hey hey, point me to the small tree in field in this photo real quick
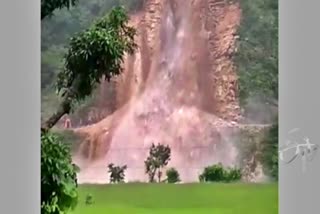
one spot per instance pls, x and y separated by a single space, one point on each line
158 158
116 173
172 175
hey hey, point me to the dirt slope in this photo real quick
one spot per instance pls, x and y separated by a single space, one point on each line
179 88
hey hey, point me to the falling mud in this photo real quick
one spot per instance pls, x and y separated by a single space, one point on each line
179 89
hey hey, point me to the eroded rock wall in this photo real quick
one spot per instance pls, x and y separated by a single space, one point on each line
179 88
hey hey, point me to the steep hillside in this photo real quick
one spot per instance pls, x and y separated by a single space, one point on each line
179 88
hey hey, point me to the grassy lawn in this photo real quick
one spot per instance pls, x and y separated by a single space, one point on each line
178 199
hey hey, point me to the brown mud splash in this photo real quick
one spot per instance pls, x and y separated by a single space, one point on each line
179 88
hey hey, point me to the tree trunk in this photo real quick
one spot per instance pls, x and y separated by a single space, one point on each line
152 175
64 108
159 175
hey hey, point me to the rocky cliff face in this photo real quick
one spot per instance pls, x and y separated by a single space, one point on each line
207 34
179 88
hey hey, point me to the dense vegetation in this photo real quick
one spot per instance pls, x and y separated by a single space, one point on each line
58 176
218 173
92 54
257 55
257 66
56 30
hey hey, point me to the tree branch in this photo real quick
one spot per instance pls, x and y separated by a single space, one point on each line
64 108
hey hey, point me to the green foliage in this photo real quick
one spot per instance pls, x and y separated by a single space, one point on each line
270 152
116 173
217 173
56 31
172 175
49 6
95 54
257 55
212 173
89 199
159 156
58 176
55 36
232 174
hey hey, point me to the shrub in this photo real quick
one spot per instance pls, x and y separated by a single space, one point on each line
116 173
58 176
172 175
212 173
232 174
216 173
89 199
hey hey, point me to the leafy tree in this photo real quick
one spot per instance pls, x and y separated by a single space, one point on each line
172 175
56 31
58 176
49 6
94 54
116 173
159 156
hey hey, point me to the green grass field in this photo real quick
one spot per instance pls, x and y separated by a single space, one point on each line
178 199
